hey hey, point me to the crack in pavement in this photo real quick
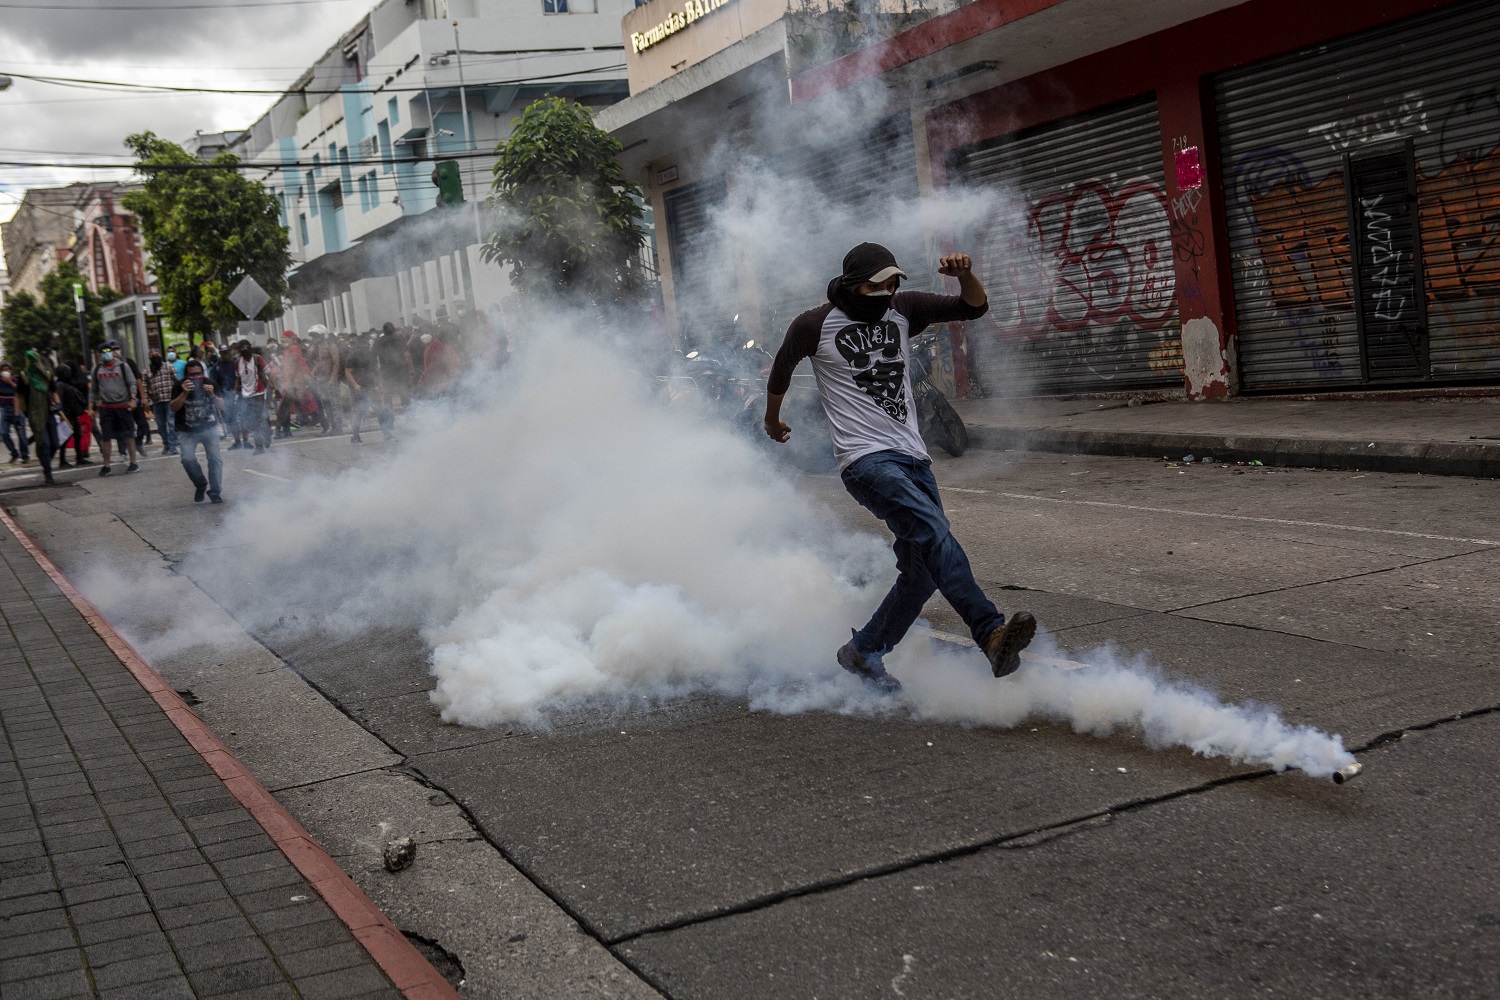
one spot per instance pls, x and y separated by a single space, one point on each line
1025 839
1331 579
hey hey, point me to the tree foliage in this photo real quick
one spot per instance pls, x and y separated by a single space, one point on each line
52 323
565 219
206 229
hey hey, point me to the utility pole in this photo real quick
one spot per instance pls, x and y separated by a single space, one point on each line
83 327
463 105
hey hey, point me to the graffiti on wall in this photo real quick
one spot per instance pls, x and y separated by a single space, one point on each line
1300 223
1090 280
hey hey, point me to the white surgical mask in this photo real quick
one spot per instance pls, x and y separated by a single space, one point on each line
171 355
107 355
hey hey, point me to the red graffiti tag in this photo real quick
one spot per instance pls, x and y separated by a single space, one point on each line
1090 256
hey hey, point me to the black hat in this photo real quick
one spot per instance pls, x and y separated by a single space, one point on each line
870 262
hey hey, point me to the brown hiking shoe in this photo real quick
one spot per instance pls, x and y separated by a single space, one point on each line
1005 643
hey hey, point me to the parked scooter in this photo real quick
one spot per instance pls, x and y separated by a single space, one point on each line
936 417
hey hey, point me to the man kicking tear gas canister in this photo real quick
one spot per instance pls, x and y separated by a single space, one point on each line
859 343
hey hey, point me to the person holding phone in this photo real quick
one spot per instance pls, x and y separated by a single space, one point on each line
195 405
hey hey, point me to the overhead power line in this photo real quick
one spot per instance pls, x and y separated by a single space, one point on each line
170 6
62 81
249 165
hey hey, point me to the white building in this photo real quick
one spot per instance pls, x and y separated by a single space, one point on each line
412 82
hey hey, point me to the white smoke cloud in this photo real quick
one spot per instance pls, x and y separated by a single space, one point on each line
568 543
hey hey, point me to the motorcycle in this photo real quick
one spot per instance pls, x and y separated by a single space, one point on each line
936 417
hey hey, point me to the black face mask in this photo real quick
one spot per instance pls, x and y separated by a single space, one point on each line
860 308
245 353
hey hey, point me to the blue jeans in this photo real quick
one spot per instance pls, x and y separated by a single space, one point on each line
11 418
901 491
166 425
208 437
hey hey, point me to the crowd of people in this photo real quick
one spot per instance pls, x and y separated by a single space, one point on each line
252 394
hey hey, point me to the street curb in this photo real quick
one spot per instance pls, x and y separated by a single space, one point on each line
1434 458
411 973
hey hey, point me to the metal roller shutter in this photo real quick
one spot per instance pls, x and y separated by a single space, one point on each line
702 272
1407 118
1080 280
857 188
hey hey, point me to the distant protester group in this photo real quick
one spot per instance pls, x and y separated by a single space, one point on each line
252 394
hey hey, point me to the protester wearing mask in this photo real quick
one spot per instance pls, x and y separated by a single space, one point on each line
327 365
221 373
71 403
34 393
10 417
178 365
252 384
196 407
159 385
362 370
859 343
112 396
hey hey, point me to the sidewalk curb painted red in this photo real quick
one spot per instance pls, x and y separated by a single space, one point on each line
412 974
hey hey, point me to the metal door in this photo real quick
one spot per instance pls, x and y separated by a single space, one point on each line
1077 258
703 285
1295 132
1387 263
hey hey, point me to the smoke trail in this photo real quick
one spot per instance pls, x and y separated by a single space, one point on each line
1109 693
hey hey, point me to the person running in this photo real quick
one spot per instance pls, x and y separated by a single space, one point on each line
195 406
362 370
159 385
859 342
251 385
112 396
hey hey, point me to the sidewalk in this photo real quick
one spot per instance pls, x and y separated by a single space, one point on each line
1452 437
129 867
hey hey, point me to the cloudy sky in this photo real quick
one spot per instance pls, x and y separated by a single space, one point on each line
249 43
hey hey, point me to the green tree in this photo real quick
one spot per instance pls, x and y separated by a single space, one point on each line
62 312
52 323
206 228
565 219
26 327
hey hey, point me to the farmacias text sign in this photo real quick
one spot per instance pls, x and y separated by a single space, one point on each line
691 11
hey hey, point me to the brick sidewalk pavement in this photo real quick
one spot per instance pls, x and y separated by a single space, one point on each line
127 869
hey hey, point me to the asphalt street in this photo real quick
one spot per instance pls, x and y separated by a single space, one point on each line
702 850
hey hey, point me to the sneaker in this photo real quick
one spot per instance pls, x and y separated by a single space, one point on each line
48 480
15 460
198 494
132 467
868 667
236 446
85 460
216 499
355 440
104 470
1003 648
